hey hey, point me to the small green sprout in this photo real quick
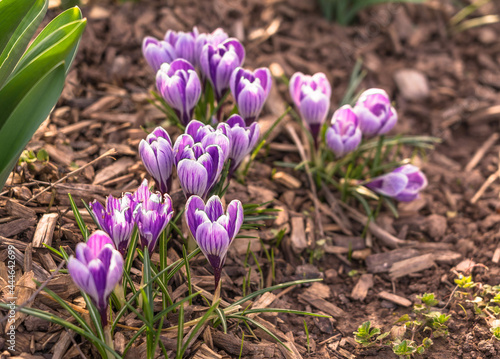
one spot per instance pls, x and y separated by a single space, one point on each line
496 332
465 282
365 333
428 299
405 349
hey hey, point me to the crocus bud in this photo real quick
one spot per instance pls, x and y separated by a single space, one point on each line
198 167
218 63
250 91
402 184
116 219
183 44
157 52
215 38
243 139
206 135
180 86
213 229
158 157
344 135
153 213
96 269
375 113
311 95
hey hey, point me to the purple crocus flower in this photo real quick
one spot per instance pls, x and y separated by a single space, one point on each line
183 44
96 269
243 139
311 95
215 38
153 213
218 62
116 219
157 52
344 135
180 86
212 229
198 167
206 135
250 91
176 45
402 184
375 113
158 157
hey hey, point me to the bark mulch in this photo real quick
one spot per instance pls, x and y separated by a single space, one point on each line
444 84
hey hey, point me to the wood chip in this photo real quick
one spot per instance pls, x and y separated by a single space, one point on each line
204 352
323 305
496 255
447 257
114 170
360 290
62 345
263 302
24 288
319 290
45 230
298 235
382 262
16 226
411 265
62 156
15 209
287 180
395 299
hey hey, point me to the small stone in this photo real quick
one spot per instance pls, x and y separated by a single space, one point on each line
436 225
98 13
412 83
331 275
465 246
487 36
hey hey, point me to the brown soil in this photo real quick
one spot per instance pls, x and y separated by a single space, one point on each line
105 103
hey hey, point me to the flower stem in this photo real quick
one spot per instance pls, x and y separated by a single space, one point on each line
109 340
120 293
217 291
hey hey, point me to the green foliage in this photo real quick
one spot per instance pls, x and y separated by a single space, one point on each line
344 12
459 22
405 349
367 335
423 320
465 282
32 79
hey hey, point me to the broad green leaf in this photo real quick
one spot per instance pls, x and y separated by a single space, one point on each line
68 33
11 15
67 17
14 91
21 38
32 109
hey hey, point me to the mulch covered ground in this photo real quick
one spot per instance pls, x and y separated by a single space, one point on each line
444 84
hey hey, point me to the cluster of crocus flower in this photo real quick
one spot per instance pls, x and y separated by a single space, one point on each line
149 211
373 115
199 154
218 59
98 264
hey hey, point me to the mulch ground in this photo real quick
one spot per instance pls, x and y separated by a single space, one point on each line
444 84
